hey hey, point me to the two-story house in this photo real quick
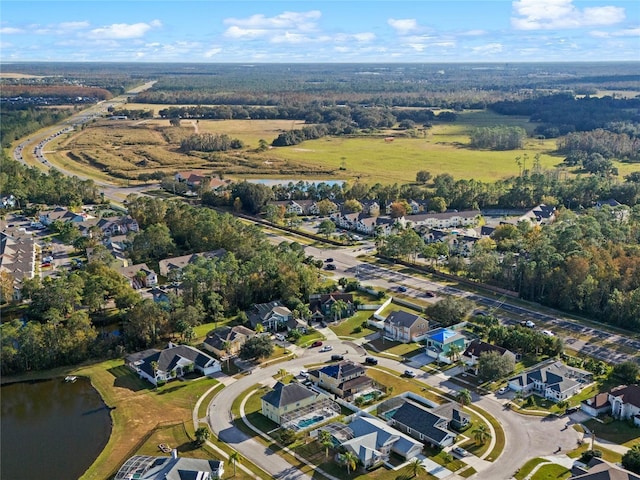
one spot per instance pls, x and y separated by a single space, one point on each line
477 347
322 305
287 403
273 316
405 327
622 402
139 276
227 341
344 379
440 342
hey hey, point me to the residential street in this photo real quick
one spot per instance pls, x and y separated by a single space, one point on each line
526 436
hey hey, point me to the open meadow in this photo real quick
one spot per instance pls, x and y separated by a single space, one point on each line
126 149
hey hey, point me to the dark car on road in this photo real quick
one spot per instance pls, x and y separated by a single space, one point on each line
336 358
330 266
371 361
329 260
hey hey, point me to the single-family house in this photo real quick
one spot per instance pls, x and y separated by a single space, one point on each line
373 441
598 469
477 347
139 276
622 402
405 327
542 214
226 341
344 379
289 401
441 341
159 366
176 264
62 214
322 308
423 424
142 467
273 316
192 178
551 379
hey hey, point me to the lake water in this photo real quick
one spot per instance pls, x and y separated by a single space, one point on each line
51 429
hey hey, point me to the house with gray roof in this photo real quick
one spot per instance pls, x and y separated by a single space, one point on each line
143 467
17 259
423 424
227 340
344 379
551 379
176 264
598 469
273 316
160 366
478 347
405 327
287 399
139 276
372 441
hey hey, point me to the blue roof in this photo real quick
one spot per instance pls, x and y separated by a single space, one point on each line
442 335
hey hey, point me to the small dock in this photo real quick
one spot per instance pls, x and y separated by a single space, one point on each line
70 378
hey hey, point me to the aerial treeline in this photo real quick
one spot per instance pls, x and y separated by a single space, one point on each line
30 185
56 93
525 341
498 138
132 114
294 137
19 121
587 264
620 146
560 114
207 142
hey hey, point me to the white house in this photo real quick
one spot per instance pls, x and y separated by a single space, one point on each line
159 366
621 402
551 379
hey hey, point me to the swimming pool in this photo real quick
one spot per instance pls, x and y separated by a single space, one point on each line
307 422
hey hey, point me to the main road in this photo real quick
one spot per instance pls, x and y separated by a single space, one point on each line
525 436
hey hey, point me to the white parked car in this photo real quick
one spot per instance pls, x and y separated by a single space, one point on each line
502 390
548 333
326 348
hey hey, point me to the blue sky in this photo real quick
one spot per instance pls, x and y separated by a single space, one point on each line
320 31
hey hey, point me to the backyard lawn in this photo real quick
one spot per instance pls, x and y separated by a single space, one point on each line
618 431
349 327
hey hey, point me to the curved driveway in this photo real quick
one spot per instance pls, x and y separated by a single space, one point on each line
526 436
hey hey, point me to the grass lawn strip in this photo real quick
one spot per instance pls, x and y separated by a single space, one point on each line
617 431
551 471
528 467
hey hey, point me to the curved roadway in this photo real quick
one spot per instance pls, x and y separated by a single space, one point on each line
526 436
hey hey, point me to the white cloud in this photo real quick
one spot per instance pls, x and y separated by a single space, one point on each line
73 25
305 21
10 30
488 49
474 33
627 32
403 26
210 53
558 14
122 30
364 37
238 32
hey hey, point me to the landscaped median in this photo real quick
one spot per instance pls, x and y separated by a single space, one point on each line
308 455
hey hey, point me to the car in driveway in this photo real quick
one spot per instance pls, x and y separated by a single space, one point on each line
571 410
337 358
326 348
371 361
461 452
502 390
409 373
317 343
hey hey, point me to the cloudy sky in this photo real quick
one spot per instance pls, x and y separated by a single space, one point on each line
320 30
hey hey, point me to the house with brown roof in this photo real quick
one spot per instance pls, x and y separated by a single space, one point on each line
405 327
477 347
226 341
321 305
622 402
139 276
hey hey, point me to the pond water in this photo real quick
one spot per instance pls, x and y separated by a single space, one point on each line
51 429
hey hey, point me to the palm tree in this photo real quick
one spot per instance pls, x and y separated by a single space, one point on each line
454 352
481 434
202 434
324 437
464 397
234 459
415 466
338 308
226 346
350 460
